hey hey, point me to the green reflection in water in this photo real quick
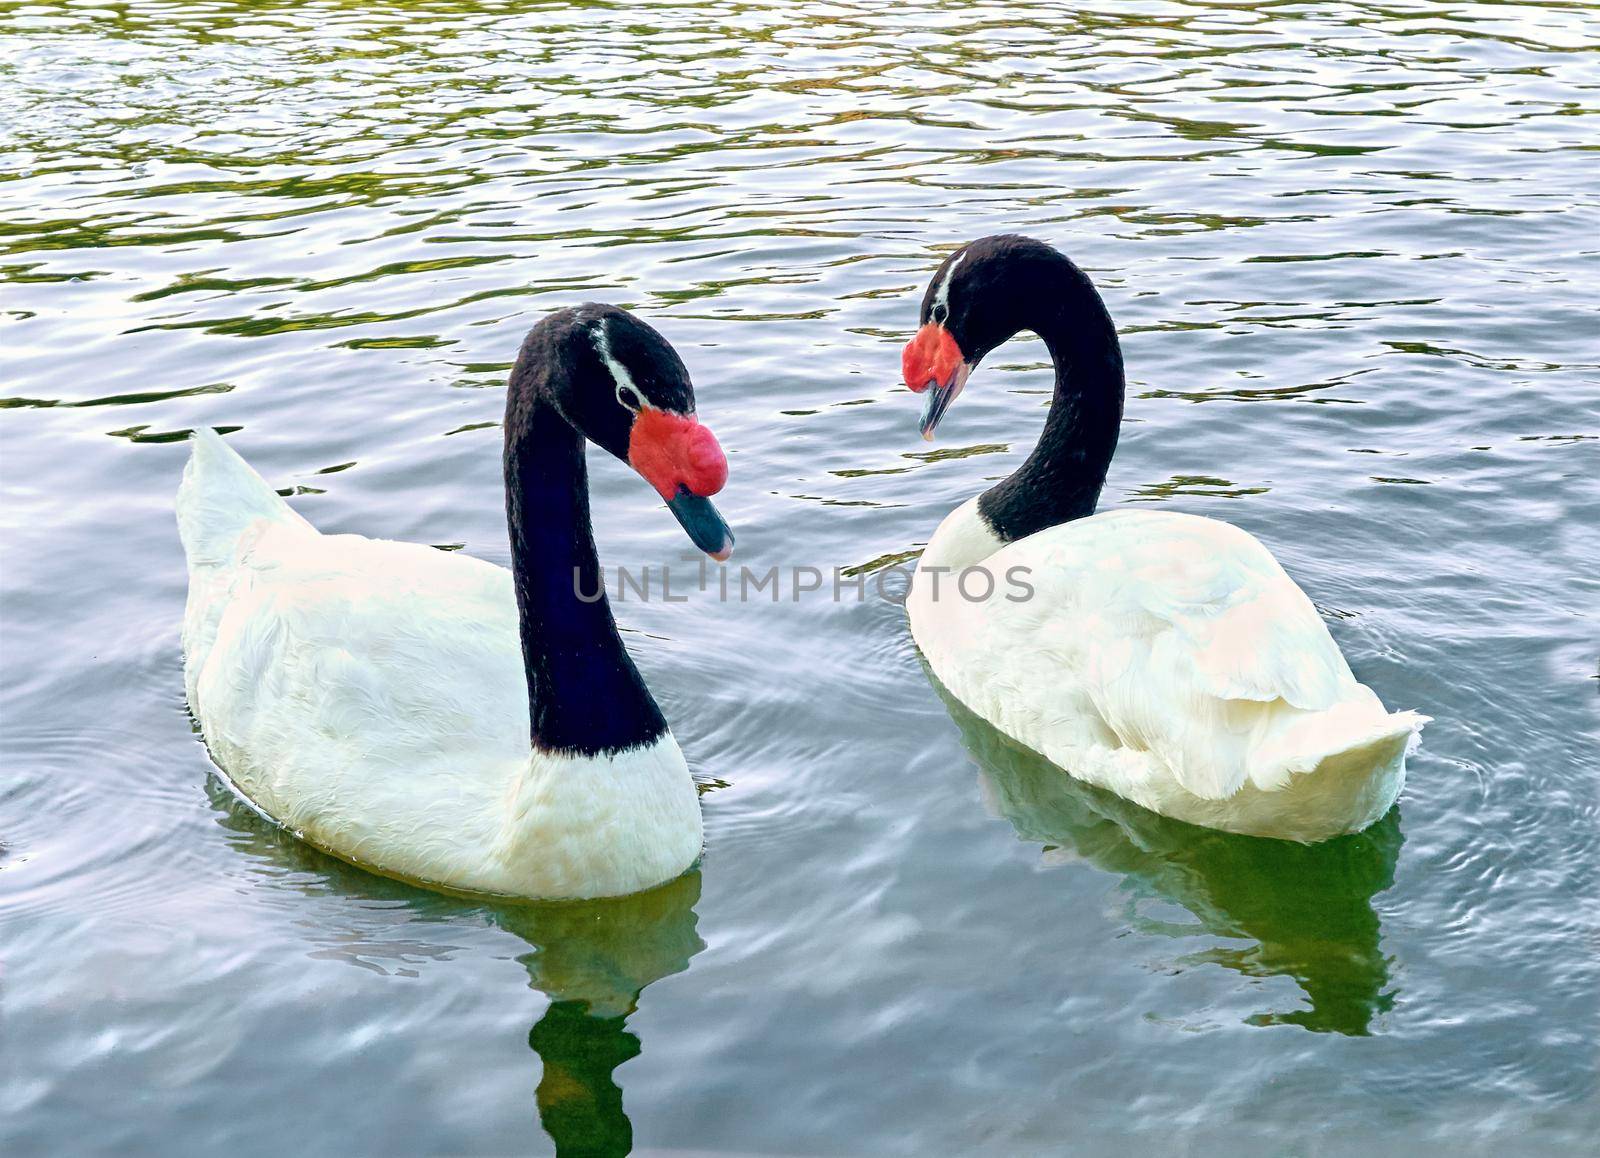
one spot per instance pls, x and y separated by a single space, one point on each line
591 958
1293 910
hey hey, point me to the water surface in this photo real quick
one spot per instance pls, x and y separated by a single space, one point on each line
1351 250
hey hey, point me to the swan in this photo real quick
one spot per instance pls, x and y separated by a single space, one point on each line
1162 656
432 716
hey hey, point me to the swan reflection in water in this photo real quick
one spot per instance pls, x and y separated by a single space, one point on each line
591 958
1299 911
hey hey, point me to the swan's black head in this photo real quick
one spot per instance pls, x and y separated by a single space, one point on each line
981 295
618 382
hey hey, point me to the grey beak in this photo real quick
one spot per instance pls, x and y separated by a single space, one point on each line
940 398
704 526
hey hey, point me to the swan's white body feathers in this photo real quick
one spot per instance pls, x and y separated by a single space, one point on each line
1170 659
371 697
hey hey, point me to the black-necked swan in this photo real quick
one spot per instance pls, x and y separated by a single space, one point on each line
431 715
1163 656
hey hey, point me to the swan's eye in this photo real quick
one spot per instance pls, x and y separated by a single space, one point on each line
939 314
628 395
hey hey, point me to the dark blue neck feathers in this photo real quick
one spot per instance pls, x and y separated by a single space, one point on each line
585 696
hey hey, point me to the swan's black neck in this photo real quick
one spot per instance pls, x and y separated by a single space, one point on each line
584 694
1061 479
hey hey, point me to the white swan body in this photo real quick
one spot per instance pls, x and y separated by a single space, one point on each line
1167 658
371 697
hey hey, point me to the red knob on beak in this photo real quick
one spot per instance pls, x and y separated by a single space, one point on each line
931 358
673 450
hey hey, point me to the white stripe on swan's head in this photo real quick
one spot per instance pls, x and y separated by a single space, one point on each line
620 377
941 296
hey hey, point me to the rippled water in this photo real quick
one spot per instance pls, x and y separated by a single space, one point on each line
1351 249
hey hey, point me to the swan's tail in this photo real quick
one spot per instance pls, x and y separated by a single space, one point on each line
1347 761
219 499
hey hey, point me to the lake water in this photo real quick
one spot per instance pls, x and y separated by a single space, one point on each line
1352 252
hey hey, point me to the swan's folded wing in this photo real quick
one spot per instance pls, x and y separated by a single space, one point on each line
1190 641
398 647
1239 626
